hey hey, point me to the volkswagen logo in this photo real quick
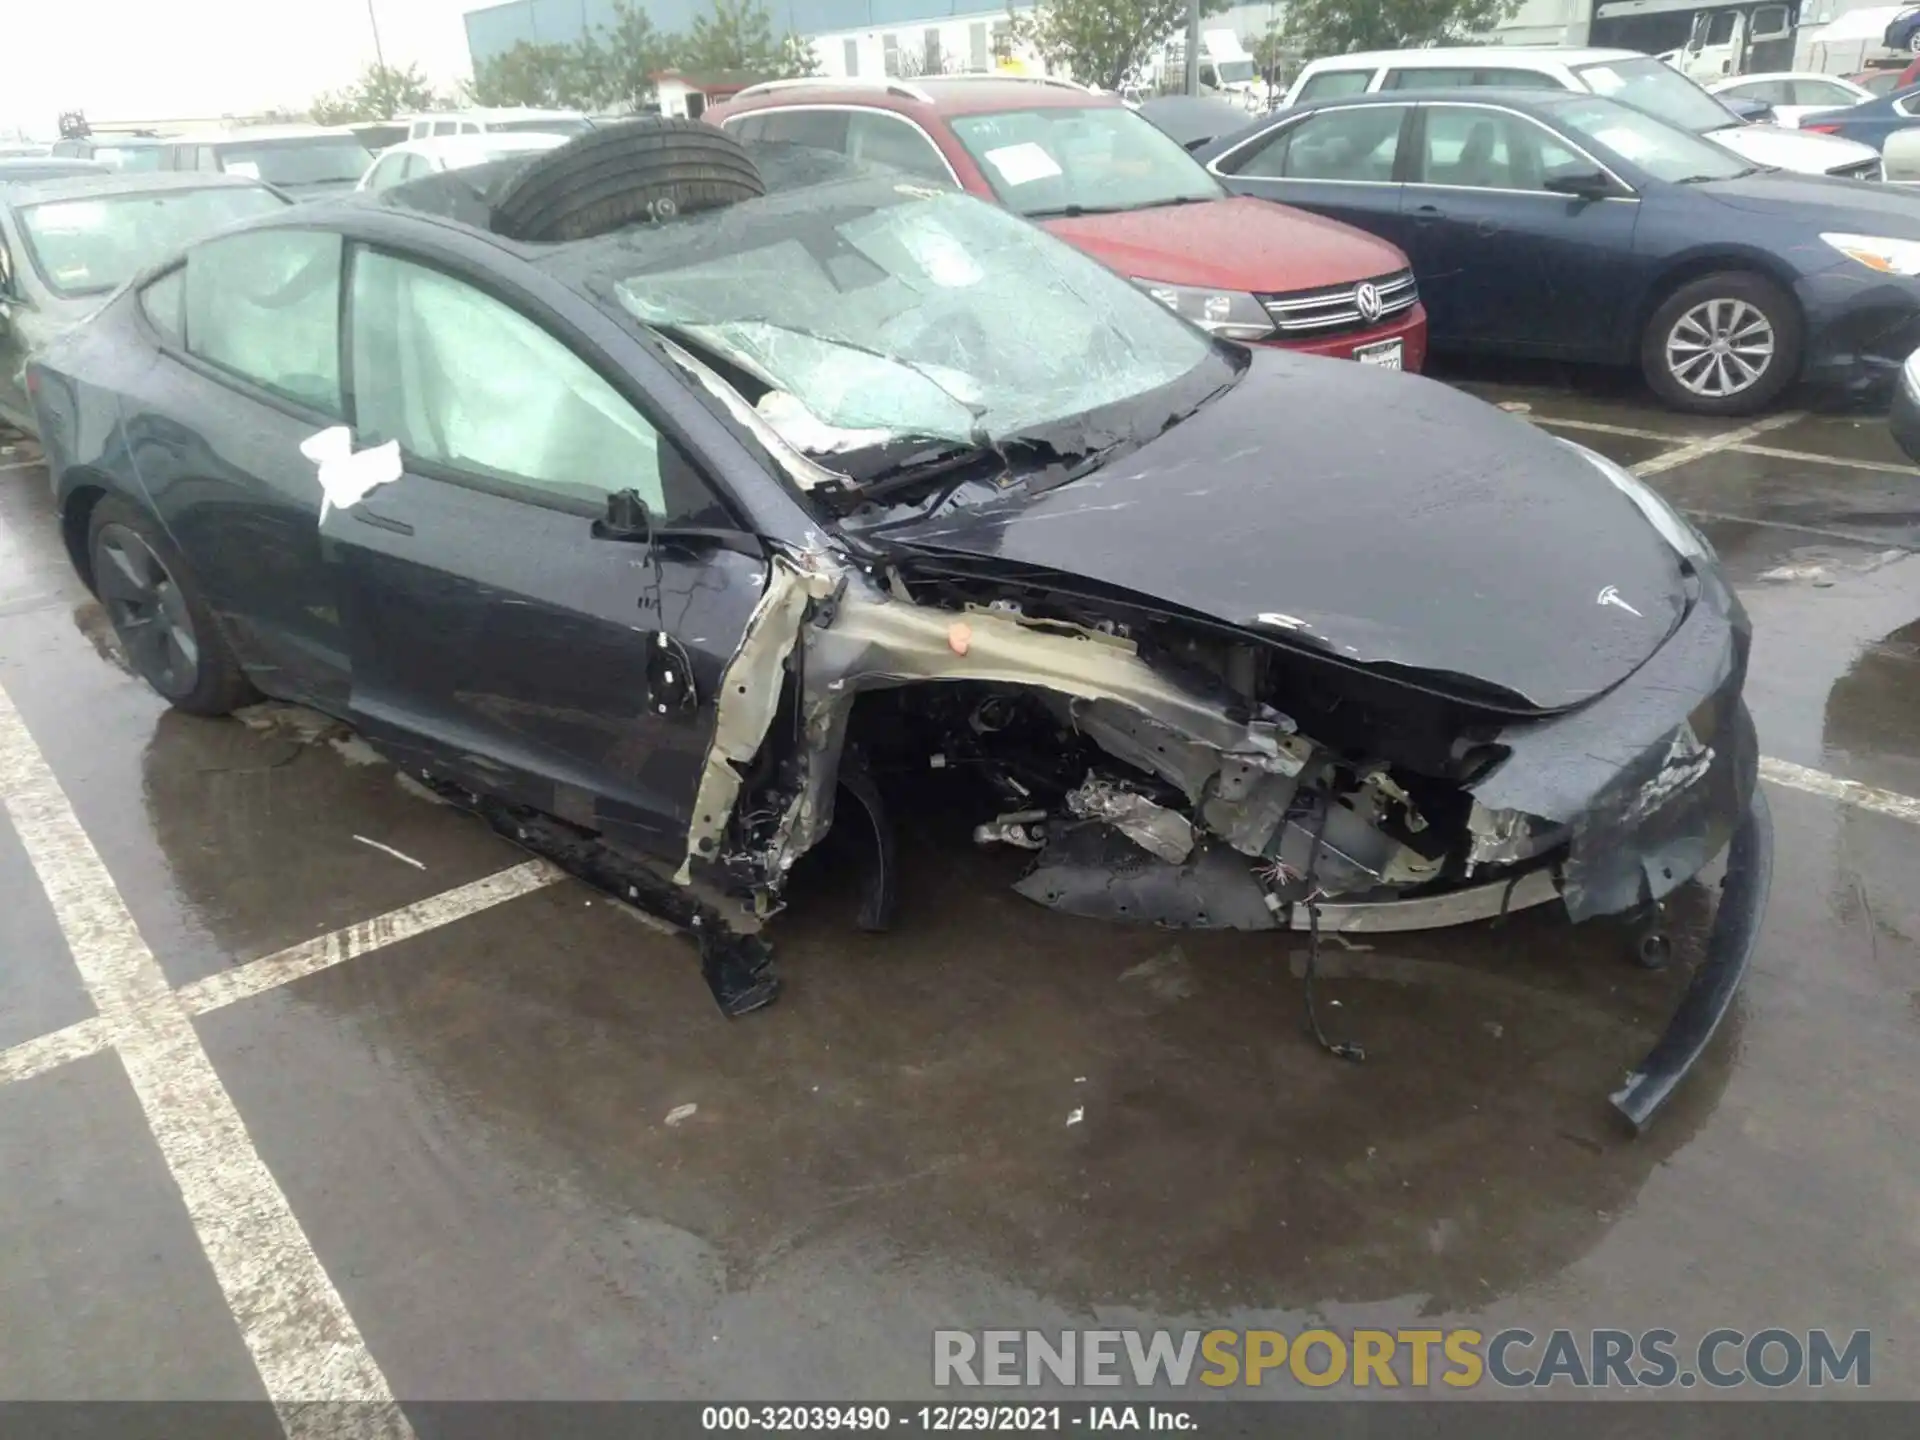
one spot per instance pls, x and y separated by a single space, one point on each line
1366 299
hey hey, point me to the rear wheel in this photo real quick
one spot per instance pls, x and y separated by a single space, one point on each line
1724 344
157 611
625 174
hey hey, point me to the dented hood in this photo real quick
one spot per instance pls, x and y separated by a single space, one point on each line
1376 516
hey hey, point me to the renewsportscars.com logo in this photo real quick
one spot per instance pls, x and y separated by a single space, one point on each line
1390 1359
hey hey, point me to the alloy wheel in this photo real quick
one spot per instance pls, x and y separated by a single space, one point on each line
148 612
1720 348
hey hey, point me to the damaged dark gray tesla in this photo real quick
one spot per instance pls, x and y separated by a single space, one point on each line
664 548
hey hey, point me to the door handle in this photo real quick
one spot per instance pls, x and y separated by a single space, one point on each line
1427 214
379 521
1484 228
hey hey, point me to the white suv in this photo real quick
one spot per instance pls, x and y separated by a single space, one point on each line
1625 75
495 122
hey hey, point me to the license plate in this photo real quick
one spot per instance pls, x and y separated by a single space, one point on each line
1386 355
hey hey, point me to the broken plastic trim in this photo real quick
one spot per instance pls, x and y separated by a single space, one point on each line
1730 947
803 472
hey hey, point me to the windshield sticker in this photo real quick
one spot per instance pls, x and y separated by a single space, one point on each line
1022 164
345 478
247 169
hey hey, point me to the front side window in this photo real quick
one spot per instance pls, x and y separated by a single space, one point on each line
1720 28
1331 83
465 381
297 163
884 139
265 306
889 310
1066 160
1357 144
1492 150
164 302
1434 79
816 129
88 247
129 157
1767 92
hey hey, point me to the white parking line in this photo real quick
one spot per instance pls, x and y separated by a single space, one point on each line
323 951
1600 428
47 1052
1807 457
1847 792
20 465
1726 439
304 1343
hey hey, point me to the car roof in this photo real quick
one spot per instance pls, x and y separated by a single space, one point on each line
938 94
255 134
26 169
497 112
1775 75
1523 97
120 182
453 147
1448 57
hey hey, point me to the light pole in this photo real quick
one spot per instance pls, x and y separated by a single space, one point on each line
1193 46
378 58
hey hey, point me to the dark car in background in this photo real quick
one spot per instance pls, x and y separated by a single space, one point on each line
66 244
306 161
1871 121
1571 226
661 548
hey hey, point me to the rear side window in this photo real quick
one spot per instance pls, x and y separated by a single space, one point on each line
748 127
1460 79
816 129
1330 83
1359 144
265 306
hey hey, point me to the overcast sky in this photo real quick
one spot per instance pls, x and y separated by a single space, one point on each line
120 59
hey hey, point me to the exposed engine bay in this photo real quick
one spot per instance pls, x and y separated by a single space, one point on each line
1144 761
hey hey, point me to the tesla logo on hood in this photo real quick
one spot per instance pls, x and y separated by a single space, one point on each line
1611 596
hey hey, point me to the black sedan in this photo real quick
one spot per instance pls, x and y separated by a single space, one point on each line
650 545
1570 226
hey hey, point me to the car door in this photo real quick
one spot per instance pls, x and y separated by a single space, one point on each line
13 303
248 334
1504 261
501 633
1342 161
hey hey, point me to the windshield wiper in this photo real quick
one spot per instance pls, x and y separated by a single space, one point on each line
1073 212
1737 175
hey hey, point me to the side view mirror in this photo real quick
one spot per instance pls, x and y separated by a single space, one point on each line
1585 185
627 518
1751 112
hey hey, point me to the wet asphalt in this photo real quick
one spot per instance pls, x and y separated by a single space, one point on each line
536 1162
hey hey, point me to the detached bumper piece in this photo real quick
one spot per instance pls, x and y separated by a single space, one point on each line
1730 946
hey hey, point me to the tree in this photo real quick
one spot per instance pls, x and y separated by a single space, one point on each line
381 92
1101 42
616 64
738 35
1337 27
547 76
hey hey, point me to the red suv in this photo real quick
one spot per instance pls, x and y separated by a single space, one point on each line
1097 175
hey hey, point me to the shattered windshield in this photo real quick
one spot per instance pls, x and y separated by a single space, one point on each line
1063 160
892 310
